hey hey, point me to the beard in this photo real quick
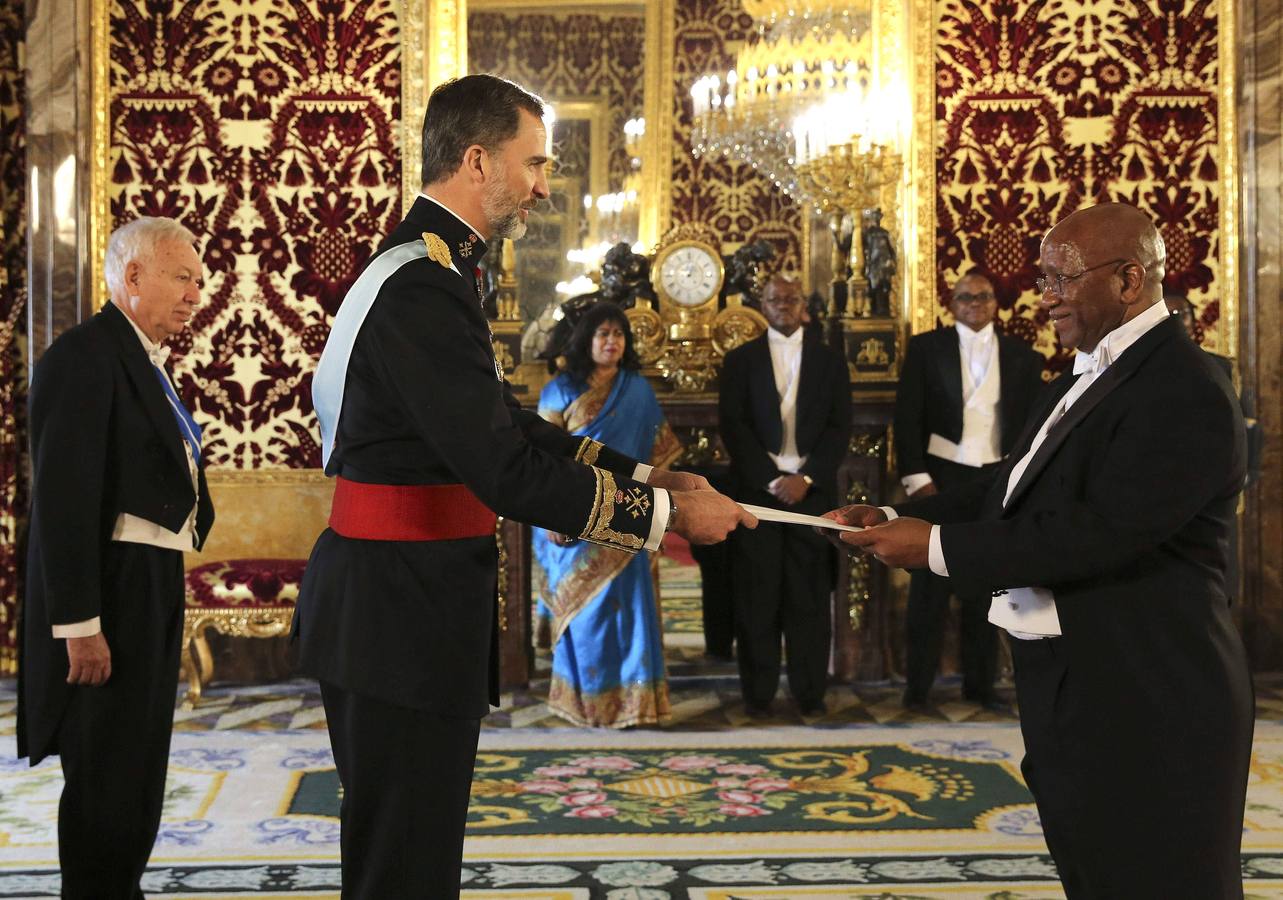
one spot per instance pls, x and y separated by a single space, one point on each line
502 210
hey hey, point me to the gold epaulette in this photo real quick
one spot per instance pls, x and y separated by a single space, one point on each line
438 250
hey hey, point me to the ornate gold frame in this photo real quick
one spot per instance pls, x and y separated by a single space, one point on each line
658 98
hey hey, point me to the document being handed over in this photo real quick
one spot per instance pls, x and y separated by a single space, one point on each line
766 514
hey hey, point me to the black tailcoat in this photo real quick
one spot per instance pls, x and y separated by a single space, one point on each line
413 623
1139 735
104 441
929 401
749 414
783 574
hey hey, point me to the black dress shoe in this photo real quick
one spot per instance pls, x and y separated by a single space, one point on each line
991 702
814 709
757 712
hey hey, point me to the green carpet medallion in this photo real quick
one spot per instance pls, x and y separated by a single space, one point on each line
882 787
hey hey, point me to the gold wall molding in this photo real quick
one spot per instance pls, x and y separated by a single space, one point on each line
920 242
658 99
414 96
434 44
100 144
250 477
1225 339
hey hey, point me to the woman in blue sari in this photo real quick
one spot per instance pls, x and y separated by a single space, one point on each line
608 655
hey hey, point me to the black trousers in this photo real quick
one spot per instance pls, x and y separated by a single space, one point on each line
1117 826
717 595
928 605
783 579
114 740
406 776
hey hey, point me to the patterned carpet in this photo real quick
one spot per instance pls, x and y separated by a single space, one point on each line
784 810
867 802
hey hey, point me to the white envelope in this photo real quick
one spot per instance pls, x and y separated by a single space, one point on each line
766 514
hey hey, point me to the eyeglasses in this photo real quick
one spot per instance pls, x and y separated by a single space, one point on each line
1055 284
983 297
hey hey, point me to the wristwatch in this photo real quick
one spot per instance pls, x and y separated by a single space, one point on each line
810 482
672 513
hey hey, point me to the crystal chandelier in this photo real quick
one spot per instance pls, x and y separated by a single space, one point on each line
817 102
813 78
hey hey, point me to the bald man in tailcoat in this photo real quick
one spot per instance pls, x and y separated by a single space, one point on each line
1104 540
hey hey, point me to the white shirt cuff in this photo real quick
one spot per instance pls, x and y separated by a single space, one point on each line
935 554
889 513
87 628
915 482
659 521
773 482
642 472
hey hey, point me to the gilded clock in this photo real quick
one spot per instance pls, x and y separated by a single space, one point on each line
688 273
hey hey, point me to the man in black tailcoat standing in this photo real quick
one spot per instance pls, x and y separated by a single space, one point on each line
1104 540
784 412
118 495
396 615
964 395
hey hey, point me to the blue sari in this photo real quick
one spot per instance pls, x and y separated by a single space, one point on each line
608 657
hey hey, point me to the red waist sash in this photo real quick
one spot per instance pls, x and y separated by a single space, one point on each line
408 512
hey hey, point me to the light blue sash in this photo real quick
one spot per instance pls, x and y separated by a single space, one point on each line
331 371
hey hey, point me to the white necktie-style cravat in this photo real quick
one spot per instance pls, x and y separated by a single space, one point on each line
158 354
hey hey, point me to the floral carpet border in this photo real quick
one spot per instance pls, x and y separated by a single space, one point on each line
663 877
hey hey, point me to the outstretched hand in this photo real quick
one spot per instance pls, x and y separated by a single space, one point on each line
678 481
707 517
903 542
856 514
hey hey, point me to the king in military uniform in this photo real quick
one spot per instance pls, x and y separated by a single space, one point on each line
396 617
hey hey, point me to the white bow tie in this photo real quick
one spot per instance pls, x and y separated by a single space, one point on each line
158 356
1092 363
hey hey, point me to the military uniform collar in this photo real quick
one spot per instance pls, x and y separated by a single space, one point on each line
464 241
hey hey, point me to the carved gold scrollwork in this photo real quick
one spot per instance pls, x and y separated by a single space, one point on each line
736 325
649 335
857 582
689 366
197 662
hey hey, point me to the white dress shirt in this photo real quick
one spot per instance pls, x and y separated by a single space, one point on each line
786 361
981 442
133 529
1030 612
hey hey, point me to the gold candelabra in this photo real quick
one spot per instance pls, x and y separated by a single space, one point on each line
844 181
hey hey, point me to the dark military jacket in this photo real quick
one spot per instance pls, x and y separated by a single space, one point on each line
414 623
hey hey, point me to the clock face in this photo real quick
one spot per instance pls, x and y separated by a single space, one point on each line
690 275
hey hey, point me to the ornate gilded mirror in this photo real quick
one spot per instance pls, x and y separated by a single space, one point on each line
587 60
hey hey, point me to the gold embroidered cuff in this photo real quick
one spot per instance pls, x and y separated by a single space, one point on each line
588 451
635 504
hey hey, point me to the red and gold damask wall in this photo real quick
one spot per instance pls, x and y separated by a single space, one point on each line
269 129
13 322
1044 107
